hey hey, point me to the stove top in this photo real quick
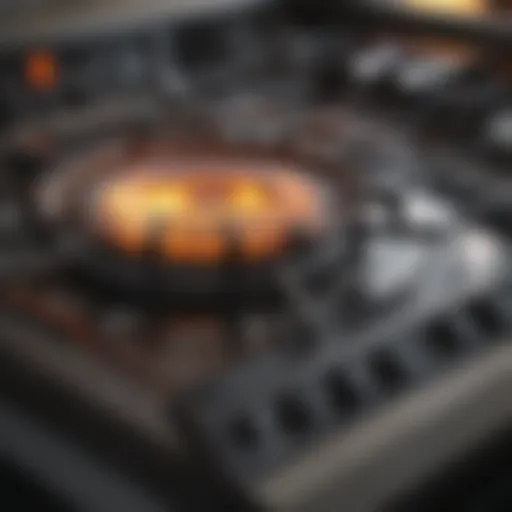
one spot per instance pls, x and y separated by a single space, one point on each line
219 265
174 295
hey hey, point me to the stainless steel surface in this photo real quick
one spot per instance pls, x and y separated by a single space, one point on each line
96 383
65 469
73 18
393 449
362 469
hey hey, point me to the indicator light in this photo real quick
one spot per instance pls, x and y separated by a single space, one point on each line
41 70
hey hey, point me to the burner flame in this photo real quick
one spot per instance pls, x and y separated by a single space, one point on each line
197 209
461 8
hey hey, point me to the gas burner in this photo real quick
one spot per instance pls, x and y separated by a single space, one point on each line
166 209
456 10
174 229
193 207
452 8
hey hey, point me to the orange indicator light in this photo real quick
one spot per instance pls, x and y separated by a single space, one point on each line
41 70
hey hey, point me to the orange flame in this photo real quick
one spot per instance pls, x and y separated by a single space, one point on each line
462 8
194 209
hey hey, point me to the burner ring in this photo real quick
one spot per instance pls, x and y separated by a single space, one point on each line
195 207
191 215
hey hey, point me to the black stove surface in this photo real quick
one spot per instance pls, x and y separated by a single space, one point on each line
253 394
